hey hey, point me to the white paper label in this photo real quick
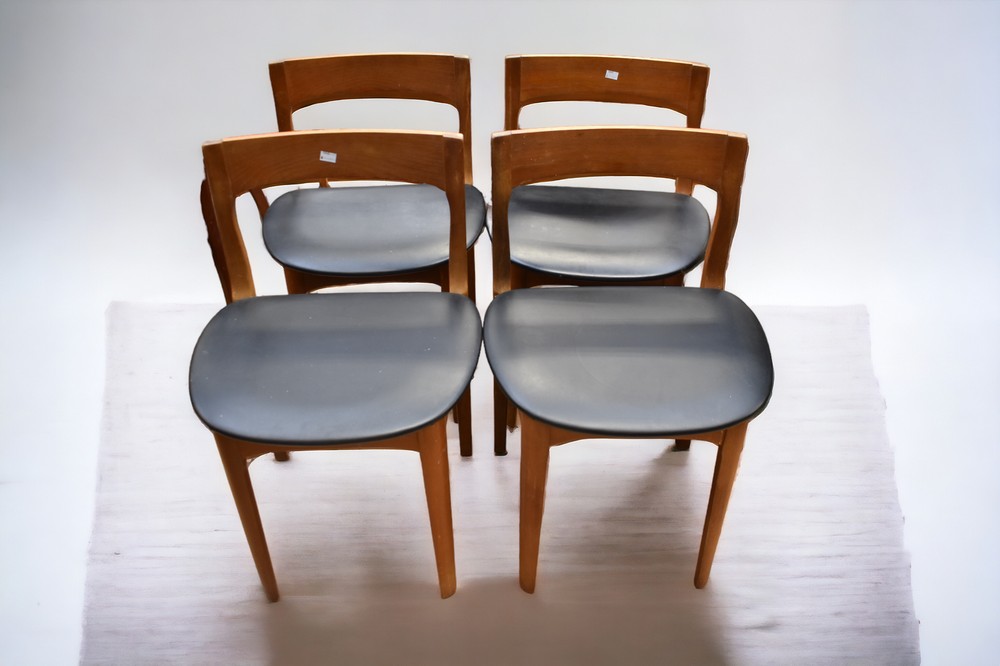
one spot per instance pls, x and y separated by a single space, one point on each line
324 156
611 74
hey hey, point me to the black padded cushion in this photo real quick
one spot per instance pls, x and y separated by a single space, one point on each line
630 361
369 230
317 369
598 233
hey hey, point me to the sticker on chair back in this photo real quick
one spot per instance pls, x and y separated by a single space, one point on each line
325 156
611 74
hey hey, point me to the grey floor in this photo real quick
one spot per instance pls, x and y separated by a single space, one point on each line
873 177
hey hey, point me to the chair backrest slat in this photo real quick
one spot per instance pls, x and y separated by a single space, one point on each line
301 82
670 84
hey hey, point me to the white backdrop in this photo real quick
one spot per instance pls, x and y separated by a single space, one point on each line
872 179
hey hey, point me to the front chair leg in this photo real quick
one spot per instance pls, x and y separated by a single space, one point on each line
727 461
437 487
235 464
534 474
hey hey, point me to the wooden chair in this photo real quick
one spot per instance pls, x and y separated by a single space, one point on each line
562 234
558 235
333 371
626 361
338 236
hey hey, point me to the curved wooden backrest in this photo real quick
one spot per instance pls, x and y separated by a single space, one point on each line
301 82
712 158
670 84
243 164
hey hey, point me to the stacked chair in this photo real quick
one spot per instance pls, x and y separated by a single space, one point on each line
621 349
340 236
598 235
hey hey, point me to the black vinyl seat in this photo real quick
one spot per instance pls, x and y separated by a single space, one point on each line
630 361
366 231
603 234
320 369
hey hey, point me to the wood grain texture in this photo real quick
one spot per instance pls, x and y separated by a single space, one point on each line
811 567
300 82
671 84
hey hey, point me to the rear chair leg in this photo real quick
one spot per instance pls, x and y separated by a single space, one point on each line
463 415
499 420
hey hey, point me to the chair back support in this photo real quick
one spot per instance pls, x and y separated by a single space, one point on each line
302 82
670 84
714 159
239 165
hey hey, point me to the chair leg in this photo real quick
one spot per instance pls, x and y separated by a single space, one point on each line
499 420
471 272
437 486
727 461
463 414
511 417
534 473
235 464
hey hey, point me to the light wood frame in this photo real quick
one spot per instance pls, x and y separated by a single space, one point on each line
538 438
714 159
238 165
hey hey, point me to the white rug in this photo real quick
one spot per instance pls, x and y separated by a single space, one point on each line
811 568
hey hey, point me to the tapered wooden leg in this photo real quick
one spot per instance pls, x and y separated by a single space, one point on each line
534 473
463 410
682 445
511 417
282 456
238 474
499 420
437 486
727 461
